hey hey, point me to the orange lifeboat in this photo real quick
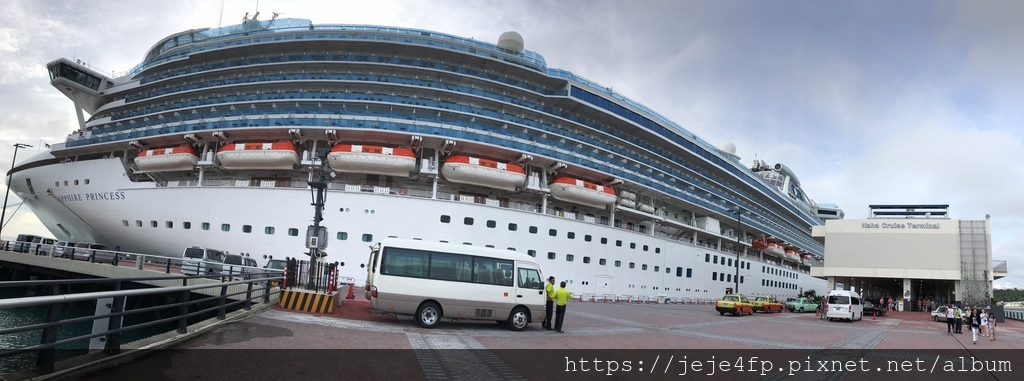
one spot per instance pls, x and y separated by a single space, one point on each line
759 244
792 255
774 248
177 158
483 172
571 189
258 155
375 159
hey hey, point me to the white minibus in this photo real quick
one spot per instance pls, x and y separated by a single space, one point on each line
431 280
844 304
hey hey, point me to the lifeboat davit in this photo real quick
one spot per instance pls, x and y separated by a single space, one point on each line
582 192
177 158
375 159
258 155
483 172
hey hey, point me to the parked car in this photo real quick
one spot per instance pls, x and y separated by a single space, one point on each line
95 252
202 261
27 243
767 304
940 313
872 309
735 304
802 305
844 305
64 249
23 243
237 264
43 244
275 266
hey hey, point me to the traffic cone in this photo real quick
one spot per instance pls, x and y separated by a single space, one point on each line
817 311
874 315
351 291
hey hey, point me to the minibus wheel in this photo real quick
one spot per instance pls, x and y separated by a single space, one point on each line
428 315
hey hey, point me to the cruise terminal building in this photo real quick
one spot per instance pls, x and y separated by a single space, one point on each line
911 251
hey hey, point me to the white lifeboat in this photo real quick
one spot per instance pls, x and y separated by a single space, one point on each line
571 189
792 255
376 159
774 248
483 172
258 155
626 202
177 158
806 259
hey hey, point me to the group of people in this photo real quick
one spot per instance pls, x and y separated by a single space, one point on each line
979 319
887 304
557 299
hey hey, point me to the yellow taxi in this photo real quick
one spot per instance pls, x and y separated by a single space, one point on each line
736 304
768 304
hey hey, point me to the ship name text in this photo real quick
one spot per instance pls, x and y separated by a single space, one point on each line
95 196
898 225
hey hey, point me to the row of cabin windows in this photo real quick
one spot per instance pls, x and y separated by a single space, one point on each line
772 283
724 277
725 261
551 232
57 183
604 262
774 271
269 230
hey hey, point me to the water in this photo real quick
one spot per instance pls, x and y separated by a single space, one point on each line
22 316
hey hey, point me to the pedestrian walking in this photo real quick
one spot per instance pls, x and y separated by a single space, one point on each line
950 315
549 303
975 321
959 316
984 322
562 297
992 328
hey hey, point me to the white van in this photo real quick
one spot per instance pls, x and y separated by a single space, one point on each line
844 304
202 261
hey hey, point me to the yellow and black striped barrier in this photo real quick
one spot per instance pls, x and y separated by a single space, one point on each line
309 301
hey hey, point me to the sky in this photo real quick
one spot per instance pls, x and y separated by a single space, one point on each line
869 102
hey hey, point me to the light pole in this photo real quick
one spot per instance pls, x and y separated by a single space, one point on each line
736 278
9 174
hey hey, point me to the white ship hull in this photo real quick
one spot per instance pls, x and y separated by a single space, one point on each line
145 218
113 210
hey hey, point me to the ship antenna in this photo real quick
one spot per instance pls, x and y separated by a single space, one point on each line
220 18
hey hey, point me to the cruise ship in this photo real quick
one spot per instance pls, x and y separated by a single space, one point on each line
214 140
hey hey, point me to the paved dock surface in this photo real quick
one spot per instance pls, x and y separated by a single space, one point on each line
355 343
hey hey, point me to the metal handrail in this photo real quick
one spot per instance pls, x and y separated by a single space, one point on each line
48 343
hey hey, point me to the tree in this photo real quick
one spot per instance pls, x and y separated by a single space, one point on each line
810 294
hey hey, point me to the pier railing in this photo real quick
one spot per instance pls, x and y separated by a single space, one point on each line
230 294
140 261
